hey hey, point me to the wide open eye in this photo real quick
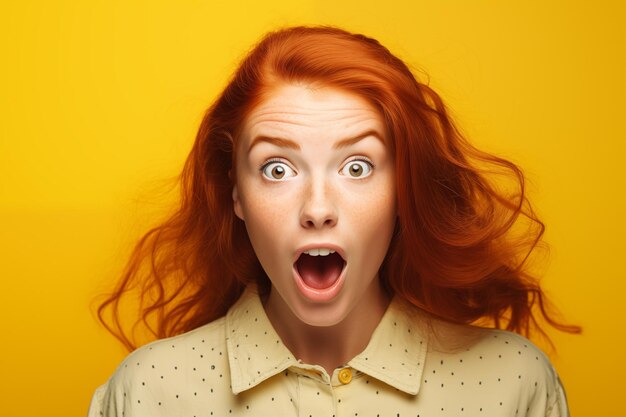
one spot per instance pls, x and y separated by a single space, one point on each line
357 168
277 171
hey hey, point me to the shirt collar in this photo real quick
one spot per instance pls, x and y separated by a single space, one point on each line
395 354
397 350
255 351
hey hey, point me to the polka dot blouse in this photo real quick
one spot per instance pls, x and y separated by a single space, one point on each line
238 366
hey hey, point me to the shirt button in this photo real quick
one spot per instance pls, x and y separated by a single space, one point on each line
345 376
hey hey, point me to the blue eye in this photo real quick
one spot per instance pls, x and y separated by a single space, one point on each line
277 171
357 168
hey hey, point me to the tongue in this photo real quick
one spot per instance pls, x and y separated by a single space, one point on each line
319 271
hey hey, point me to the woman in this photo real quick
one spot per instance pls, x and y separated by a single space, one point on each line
339 250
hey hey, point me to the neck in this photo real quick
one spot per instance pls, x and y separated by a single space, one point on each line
329 346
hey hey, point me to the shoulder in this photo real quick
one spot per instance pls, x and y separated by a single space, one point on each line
149 374
206 342
517 355
513 348
499 364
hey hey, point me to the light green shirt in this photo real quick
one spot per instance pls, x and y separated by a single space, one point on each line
238 366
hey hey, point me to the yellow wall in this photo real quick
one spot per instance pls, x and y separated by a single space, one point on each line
99 101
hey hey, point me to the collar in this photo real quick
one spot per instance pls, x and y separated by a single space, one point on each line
255 351
395 354
397 350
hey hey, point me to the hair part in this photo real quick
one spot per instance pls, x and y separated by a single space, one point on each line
454 254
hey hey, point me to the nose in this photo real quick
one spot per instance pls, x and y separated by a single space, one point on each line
318 208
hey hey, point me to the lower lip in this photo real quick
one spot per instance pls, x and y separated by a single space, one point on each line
316 294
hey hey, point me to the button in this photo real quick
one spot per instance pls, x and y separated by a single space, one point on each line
345 376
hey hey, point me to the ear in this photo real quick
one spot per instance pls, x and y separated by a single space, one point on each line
237 203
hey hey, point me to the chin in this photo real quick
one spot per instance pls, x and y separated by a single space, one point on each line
322 314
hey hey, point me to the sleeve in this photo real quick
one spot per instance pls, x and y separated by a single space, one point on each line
547 398
110 399
96 406
558 407
541 393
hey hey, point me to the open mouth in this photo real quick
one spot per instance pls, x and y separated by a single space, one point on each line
320 268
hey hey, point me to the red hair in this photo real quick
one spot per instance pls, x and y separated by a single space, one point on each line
457 251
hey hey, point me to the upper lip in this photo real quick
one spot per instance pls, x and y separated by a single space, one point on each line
336 248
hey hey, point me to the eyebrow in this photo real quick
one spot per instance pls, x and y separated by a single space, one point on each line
288 143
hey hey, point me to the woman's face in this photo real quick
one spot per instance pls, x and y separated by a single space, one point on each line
316 189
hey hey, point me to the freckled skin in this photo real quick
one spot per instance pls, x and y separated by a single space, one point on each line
317 200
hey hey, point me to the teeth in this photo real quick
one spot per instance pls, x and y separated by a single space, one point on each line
319 252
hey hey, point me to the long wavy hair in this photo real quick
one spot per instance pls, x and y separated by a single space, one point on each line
461 243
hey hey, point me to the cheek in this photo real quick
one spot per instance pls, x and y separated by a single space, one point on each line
372 224
374 209
266 219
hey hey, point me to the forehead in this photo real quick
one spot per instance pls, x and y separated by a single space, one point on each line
303 109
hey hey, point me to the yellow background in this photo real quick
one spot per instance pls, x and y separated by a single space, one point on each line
99 102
